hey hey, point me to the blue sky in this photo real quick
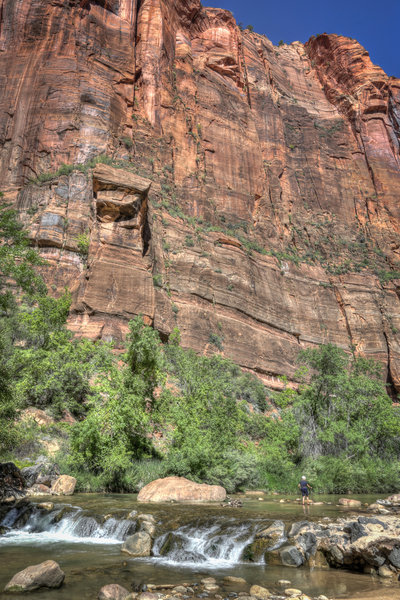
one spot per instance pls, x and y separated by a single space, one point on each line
376 25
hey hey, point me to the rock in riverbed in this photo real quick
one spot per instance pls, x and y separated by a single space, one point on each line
180 489
64 485
138 544
261 593
47 574
349 502
113 592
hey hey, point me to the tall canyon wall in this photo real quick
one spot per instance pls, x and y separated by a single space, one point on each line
250 194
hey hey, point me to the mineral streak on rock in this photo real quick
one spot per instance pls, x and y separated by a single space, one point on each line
292 150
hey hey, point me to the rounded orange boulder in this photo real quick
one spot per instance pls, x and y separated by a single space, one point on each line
180 489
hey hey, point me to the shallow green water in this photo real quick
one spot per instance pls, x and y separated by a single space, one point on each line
90 563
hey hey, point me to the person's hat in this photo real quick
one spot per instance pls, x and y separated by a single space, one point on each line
304 477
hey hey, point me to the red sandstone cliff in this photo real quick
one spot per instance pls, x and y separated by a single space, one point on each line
256 196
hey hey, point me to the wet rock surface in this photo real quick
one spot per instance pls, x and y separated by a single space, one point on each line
138 544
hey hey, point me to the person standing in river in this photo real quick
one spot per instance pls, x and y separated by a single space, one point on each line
305 488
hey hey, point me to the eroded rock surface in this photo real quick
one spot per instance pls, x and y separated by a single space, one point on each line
267 213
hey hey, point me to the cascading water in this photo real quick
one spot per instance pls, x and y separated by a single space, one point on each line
214 542
65 523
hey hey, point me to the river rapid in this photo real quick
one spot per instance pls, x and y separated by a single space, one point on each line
84 534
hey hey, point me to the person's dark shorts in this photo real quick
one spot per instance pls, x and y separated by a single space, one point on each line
304 492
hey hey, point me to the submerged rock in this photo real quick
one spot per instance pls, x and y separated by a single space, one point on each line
180 489
47 574
261 593
233 579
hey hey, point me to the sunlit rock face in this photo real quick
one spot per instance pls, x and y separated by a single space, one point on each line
255 201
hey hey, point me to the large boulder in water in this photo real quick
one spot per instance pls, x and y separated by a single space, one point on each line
64 485
12 482
291 556
180 489
47 574
350 502
138 544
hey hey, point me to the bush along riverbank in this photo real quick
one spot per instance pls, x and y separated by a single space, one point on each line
117 421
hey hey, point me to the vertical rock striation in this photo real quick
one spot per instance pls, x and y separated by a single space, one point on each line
251 193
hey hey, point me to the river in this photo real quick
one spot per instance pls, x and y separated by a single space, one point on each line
84 535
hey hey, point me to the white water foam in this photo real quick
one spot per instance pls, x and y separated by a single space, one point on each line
75 526
211 545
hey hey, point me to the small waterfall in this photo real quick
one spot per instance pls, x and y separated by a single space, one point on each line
64 523
215 542
211 541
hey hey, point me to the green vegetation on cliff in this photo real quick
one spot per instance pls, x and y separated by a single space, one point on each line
160 409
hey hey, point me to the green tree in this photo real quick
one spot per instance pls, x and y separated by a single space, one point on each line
17 276
115 431
345 410
17 261
204 417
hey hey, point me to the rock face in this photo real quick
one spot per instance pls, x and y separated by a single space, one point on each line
180 489
256 201
43 473
48 574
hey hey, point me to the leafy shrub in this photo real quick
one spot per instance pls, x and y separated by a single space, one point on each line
216 340
157 280
83 243
127 141
235 471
